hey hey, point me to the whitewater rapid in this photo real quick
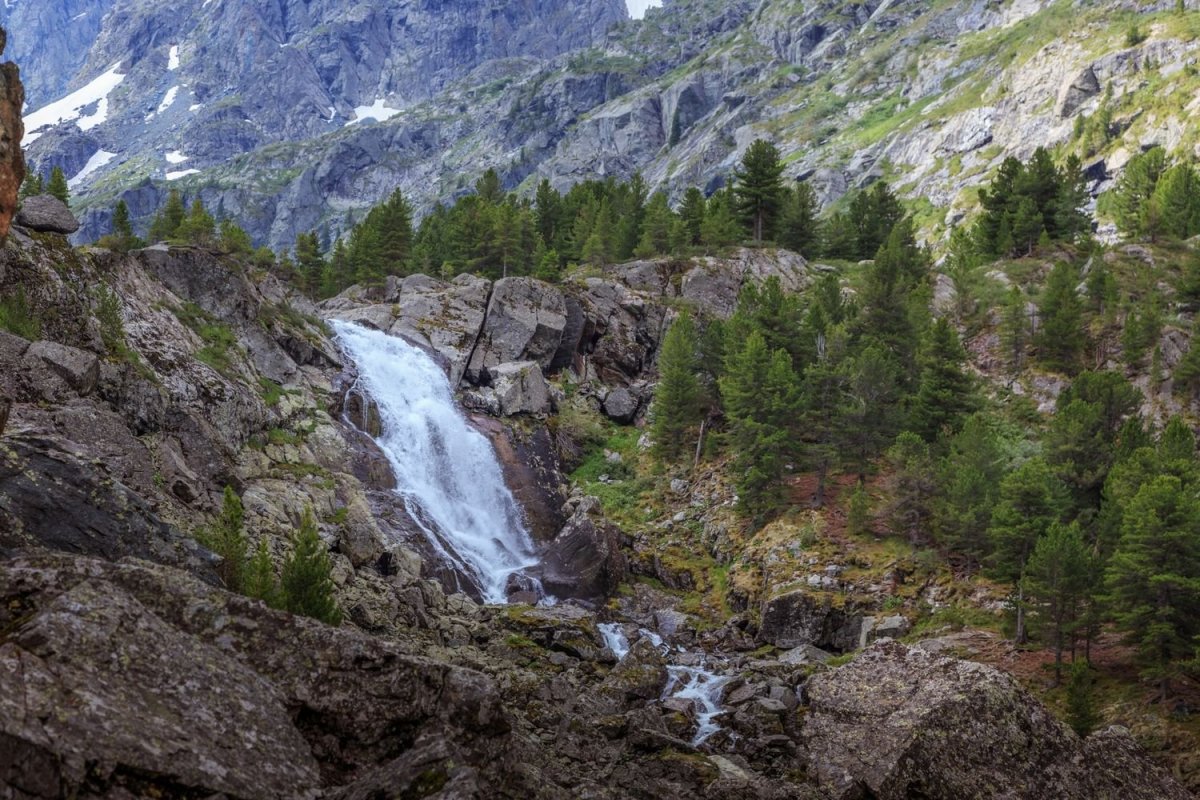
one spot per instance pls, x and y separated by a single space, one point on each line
697 684
446 471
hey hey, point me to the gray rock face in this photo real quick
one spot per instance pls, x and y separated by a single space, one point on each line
115 675
585 559
520 388
78 368
47 214
525 322
803 617
897 723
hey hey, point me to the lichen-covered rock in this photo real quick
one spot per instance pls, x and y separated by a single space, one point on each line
78 368
46 214
801 617
525 322
897 723
620 405
115 677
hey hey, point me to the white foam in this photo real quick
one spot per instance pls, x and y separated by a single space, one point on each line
446 471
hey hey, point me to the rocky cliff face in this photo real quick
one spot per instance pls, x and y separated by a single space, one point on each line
12 161
932 97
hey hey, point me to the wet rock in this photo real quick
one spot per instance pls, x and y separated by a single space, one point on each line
585 559
640 676
46 214
897 723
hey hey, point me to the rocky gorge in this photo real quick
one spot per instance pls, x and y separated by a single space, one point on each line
127 670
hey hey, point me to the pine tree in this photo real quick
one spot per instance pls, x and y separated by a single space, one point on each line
969 476
798 227
1081 699
720 227
1135 187
234 240
1056 580
656 228
166 223
1061 337
839 238
692 214
198 227
121 227
32 186
1174 208
677 395
261 582
758 188
858 511
306 581
911 487
1187 371
57 187
1026 227
1154 576
227 538
867 420
874 213
1014 330
945 393
1031 500
309 262
489 189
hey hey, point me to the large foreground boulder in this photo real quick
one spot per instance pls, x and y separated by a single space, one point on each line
47 214
525 322
585 560
121 680
900 723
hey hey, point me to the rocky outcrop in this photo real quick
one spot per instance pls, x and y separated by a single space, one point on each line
12 130
525 322
118 679
46 214
898 722
803 617
585 560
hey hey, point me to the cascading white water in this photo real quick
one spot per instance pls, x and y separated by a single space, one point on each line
446 471
699 685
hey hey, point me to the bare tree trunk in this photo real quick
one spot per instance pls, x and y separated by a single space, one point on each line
699 444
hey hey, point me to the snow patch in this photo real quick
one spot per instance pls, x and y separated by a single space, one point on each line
173 58
195 107
168 99
175 157
98 160
637 8
70 108
183 173
378 112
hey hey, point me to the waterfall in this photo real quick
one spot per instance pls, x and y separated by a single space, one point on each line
446 471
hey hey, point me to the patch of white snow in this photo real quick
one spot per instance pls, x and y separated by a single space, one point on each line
71 107
98 160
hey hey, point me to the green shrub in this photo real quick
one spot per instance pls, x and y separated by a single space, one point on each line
16 316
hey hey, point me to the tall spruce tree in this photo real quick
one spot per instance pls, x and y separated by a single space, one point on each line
1031 500
227 538
1154 577
798 226
676 409
1061 336
1056 582
758 188
945 392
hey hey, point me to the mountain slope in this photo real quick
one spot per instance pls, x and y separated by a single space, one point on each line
931 95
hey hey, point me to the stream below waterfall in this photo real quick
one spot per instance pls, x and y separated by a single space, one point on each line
697 684
446 472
